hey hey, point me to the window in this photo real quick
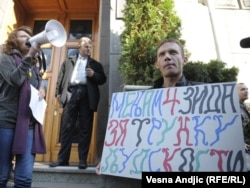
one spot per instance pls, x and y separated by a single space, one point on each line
80 28
39 26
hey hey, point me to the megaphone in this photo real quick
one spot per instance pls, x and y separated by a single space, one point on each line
54 33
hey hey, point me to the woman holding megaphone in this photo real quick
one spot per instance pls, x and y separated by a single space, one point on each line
21 136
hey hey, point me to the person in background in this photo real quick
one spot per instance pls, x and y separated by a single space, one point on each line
245 43
170 61
21 136
245 117
78 92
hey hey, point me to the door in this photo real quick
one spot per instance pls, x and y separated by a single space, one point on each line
55 56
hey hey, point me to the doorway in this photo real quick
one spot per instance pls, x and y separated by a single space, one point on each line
54 58
79 18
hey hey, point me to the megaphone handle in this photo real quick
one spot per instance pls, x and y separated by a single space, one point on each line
43 61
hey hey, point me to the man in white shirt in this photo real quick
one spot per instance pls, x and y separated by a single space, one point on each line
78 92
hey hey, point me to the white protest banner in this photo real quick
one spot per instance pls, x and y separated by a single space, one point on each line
180 129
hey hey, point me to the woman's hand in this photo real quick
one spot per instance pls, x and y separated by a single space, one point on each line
33 50
41 93
97 168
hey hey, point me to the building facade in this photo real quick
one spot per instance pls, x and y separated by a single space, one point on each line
212 29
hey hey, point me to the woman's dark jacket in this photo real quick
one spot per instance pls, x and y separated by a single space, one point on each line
12 79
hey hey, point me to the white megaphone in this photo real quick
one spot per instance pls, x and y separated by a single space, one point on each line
54 33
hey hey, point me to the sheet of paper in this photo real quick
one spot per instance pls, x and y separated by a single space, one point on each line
37 106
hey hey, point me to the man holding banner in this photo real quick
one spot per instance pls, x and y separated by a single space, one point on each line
179 126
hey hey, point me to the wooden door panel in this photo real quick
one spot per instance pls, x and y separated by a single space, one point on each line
55 57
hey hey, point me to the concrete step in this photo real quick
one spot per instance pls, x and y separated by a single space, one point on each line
72 177
63 177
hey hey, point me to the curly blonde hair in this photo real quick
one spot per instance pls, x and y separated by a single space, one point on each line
11 42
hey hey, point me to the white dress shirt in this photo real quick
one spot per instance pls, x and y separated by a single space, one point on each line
79 74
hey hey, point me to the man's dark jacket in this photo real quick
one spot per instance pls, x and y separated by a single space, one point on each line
63 81
182 82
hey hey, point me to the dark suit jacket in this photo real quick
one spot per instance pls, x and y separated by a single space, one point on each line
63 81
182 82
